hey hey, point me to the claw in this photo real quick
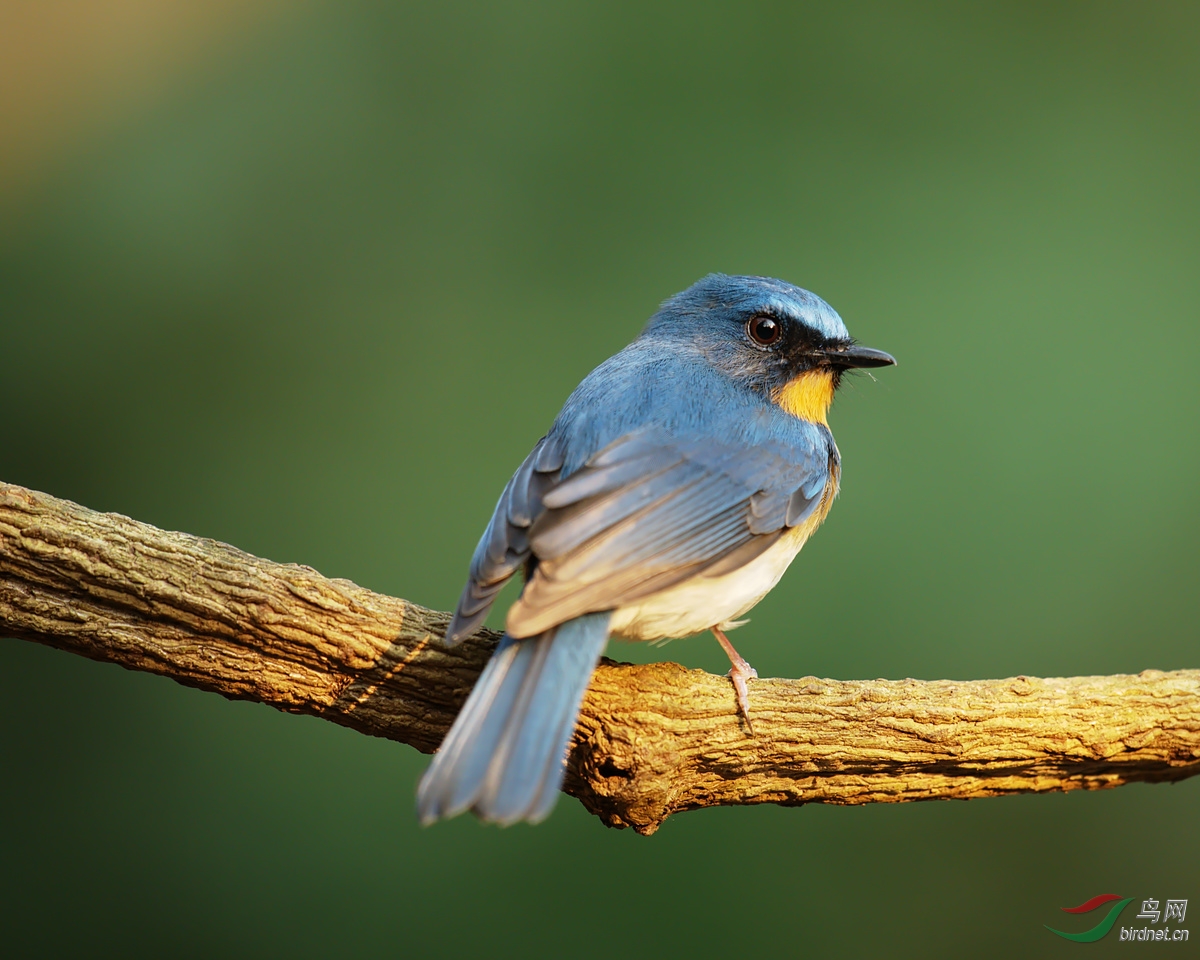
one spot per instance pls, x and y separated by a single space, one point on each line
739 673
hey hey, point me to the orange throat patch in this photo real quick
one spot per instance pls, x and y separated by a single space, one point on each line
808 396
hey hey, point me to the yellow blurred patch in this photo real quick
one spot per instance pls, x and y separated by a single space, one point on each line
808 396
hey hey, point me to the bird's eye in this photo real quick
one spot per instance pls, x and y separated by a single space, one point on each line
764 330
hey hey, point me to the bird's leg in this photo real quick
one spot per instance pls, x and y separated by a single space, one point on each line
739 673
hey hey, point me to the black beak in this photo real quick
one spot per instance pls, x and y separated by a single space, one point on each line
856 356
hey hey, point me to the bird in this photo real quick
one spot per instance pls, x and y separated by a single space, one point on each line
678 482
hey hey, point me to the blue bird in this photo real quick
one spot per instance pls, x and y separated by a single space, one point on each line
678 482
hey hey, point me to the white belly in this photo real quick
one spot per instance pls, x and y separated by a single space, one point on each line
703 602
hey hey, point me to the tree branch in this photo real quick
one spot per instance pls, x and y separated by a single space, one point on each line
651 740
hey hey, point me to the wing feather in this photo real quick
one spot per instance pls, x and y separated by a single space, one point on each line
644 513
650 511
504 547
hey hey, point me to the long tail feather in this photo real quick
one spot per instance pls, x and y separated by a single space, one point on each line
504 757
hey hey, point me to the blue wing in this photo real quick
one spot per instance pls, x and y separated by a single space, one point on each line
649 510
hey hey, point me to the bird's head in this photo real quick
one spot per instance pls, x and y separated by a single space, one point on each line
774 338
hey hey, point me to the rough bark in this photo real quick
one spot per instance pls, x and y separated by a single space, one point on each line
651 740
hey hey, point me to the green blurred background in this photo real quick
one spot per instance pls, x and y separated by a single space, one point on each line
311 278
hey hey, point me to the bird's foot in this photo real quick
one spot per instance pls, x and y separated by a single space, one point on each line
739 672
